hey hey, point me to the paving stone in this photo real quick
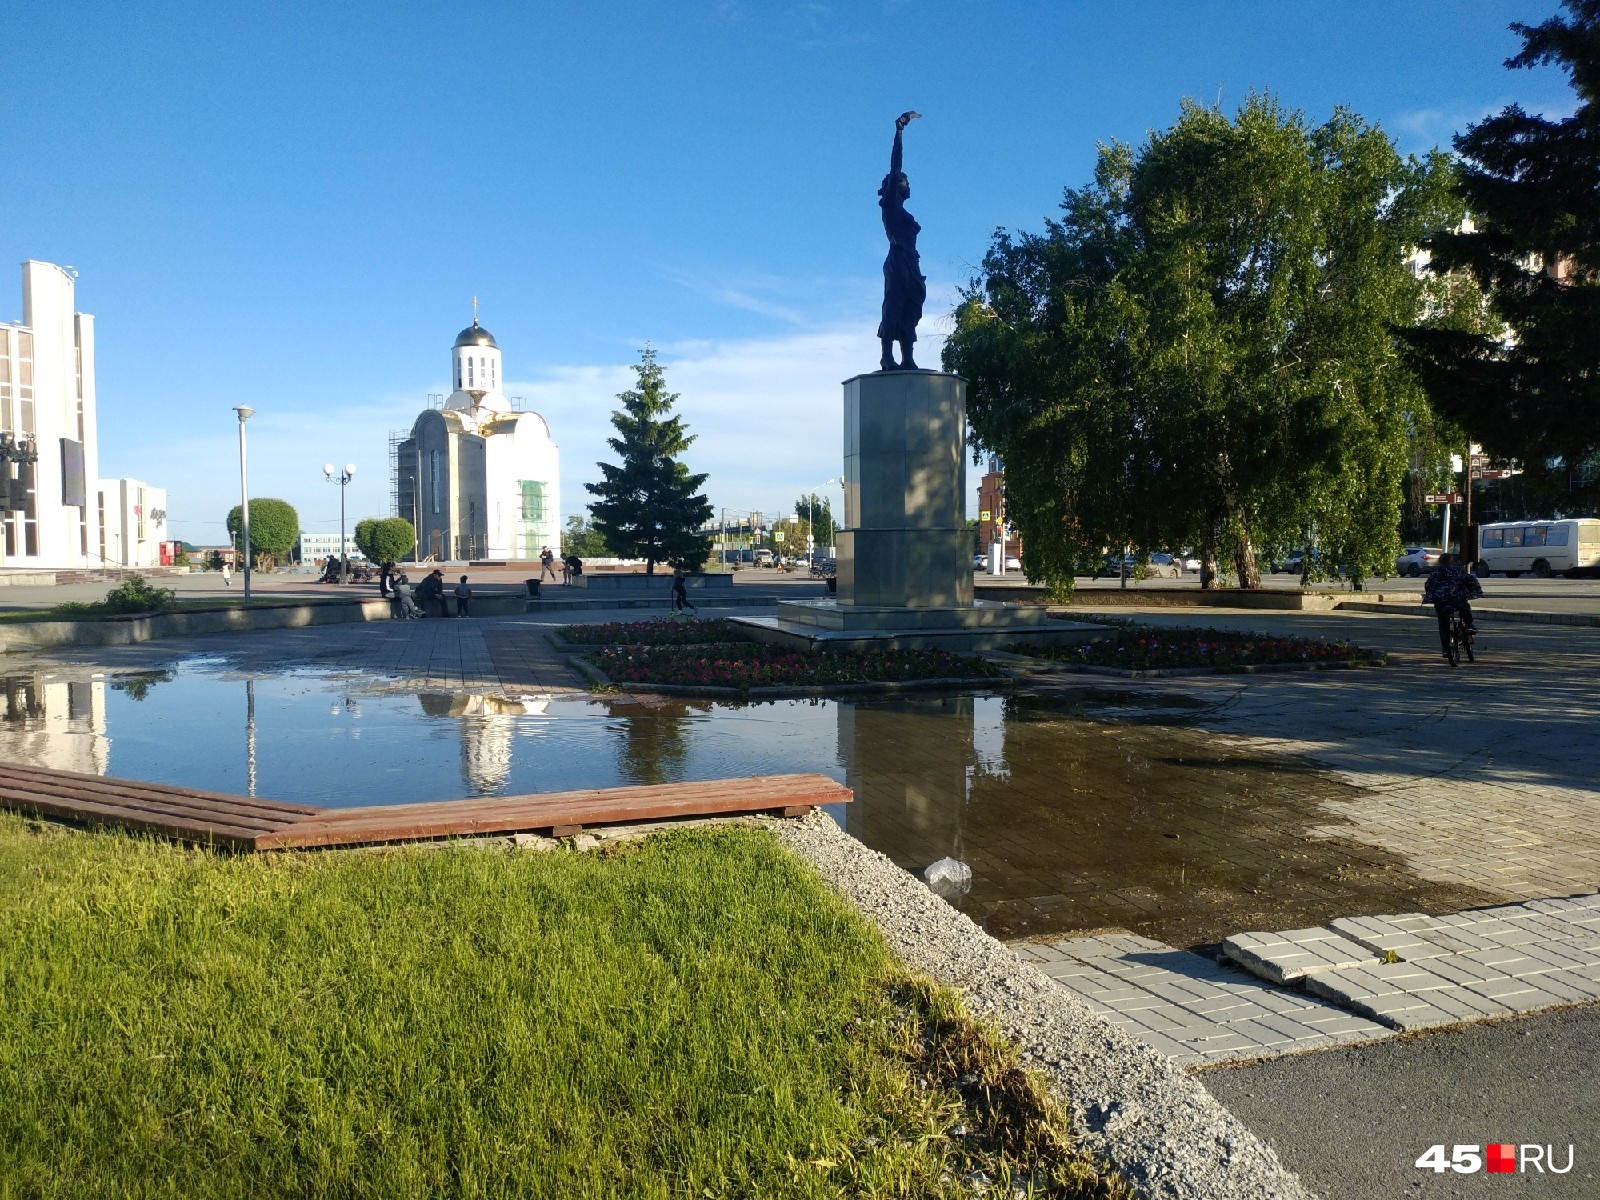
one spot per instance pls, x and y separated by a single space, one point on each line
1292 955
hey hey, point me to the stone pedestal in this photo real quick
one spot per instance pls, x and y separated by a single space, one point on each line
905 553
904 542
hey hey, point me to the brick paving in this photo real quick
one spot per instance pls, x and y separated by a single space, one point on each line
1311 989
1196 1011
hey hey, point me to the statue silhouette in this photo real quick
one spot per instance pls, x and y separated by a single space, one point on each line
904 288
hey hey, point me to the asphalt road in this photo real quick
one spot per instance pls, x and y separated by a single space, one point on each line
1353 1122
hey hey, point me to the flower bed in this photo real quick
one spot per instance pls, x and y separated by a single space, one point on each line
663 631
1143 648
754 665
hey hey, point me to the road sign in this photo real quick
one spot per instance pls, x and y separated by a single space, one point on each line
1496 473
1443 498
1480 460
984 515
777 535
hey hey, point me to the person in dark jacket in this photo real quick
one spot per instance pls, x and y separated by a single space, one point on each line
1449 589
680 591
430 595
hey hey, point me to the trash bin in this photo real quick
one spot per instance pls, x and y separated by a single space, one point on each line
833 585
533 586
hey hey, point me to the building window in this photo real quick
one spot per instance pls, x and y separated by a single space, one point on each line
433 478
24 381
6 415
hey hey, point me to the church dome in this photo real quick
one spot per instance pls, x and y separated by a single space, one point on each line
476 335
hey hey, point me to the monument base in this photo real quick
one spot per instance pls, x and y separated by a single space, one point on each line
828 625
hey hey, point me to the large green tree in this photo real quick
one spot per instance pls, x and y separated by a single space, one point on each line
1528 385
1200 351
649 506
274 528
385 539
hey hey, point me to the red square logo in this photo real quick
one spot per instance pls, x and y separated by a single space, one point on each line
1502 1158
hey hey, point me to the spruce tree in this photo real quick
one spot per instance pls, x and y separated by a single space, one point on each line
649 506
1529 389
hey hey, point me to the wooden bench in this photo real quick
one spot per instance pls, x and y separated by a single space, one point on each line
250 824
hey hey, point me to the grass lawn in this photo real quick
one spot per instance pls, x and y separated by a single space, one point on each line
689 1015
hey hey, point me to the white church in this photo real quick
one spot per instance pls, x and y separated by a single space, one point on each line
478 479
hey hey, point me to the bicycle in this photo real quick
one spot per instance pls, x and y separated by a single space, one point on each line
1461 638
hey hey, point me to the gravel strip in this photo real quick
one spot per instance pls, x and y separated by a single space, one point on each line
1130 1106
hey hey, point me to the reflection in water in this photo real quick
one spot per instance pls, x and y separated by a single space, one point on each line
55 723
911 764
654 745
488 725
1067 823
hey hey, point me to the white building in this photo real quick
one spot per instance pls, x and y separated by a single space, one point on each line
56 510
132 520
314 546
49 458
476 478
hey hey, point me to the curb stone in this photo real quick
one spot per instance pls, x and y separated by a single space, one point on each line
1130 1106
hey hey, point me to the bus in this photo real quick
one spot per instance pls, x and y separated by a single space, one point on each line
1542 548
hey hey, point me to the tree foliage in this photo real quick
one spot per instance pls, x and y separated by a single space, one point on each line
385 539
816 515
583 539
1533 187
1199 352
649 506
274 527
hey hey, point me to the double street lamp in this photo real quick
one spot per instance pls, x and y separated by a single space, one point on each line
342 478
245 413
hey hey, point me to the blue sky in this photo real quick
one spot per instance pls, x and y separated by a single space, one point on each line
291 205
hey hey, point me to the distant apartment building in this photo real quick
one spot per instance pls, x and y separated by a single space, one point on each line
55 509
992 516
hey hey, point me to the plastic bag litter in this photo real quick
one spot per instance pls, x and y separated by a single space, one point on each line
948 877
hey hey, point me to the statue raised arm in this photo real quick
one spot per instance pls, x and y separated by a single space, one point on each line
904 288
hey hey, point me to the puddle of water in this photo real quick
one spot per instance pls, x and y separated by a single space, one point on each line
1068 824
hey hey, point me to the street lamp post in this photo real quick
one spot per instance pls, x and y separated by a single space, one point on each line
343 479
245 413
811 525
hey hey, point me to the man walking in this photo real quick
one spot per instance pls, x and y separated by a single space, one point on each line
547 565
680 591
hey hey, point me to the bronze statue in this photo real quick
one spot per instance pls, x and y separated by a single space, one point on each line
904 288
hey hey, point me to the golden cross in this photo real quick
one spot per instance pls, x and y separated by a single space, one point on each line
474 310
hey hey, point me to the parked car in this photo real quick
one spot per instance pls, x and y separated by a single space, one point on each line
980 561
1163 564
1188 562
1293 563
1418 560
1013 563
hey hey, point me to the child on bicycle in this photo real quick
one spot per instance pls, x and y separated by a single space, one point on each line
1449 588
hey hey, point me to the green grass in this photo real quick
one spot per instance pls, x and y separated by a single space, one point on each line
692 1015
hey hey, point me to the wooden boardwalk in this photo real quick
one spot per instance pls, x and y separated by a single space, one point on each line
243 823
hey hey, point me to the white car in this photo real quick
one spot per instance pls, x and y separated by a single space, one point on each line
1418 560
